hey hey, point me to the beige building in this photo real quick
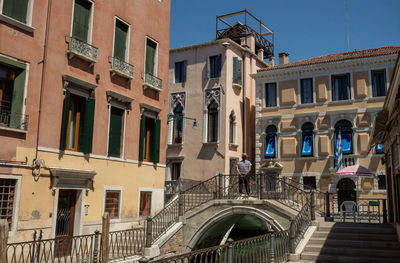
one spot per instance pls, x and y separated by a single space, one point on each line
302 106
211 83
82 113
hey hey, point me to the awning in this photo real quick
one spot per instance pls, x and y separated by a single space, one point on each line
378 129
68 178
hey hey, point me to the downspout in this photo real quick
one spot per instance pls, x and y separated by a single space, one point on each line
42 84
244 104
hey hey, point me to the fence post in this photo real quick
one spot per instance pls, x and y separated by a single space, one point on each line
272 249
230 251
259 186
96 247
221 186
180 204
312 205
384 211
105 238
327 209
292 237
3 239
149 231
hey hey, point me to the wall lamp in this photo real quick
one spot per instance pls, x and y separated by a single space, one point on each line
172 117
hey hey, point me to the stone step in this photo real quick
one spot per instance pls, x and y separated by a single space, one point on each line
360 251
321 233
360 243
362 236
313 247
365 230
354 259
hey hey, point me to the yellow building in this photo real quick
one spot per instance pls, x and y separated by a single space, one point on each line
302 106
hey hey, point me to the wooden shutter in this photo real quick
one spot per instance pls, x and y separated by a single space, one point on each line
16 9
64 126
237 71
17 99
86 127
177 72
155 140
80 27
121 32
150 56
218 65
208 68
142 142
115 132
184 71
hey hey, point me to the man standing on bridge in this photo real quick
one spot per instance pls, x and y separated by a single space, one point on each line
243 168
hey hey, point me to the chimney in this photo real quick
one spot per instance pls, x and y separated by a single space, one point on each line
272 61
260 54
283 58
249 41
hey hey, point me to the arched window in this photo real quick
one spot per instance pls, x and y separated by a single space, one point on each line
307 138
212 122
178 124
232 128
344 134
270 142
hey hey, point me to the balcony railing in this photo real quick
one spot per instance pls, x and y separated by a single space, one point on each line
14 121
153 82
82 49
348 160
122 68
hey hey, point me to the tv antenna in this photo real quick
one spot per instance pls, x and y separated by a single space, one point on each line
347 25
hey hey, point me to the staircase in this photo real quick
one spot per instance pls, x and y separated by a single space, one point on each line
352 243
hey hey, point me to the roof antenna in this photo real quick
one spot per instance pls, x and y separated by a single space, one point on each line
347 26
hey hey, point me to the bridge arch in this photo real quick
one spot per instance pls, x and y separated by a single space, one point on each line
271 224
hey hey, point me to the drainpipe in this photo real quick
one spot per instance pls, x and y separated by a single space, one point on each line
244 104
43 79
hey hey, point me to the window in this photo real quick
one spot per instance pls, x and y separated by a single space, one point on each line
77 125
237 71
344 128
12 89
270 95
81 20
120 40
180 71
341 87
115 136
112 203
151 55
7 198
145 203
178 124
382 182
378 83
307 135
306 86
232 128
16 9
270 142
214 66
212 122
309 182
149 149
176 171
379 149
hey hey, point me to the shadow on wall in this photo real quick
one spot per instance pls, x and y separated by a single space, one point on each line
80 64
207 152
120 81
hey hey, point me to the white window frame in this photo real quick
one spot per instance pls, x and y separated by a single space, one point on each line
155 57
331 87
111 104
29 12
265 92
128 38
205 122
113 189
170 163
234 143
299 102
14 217
89 40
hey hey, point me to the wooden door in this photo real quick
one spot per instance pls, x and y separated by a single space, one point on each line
65 222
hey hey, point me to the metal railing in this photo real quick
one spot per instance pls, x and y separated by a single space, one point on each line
152 81
122 68
264 248
82 49
12 120
126 243
69 250
162 221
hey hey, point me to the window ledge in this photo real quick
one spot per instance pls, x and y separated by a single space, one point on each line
73 53
270 108
175 144
233 145
13 130
340 102
237 85
210 143
16 23
380 98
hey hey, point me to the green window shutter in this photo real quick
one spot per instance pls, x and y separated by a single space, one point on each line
155 142
150 56
80 27
184 71
177 72
64 125
115 132
208 68
121 32
142 142
86 126
237 71
17 99
16 9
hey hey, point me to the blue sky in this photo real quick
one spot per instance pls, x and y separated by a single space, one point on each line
303 28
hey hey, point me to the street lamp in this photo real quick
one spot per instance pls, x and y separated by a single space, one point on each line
172 117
